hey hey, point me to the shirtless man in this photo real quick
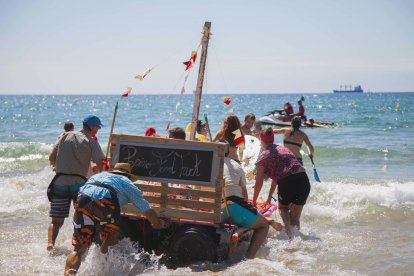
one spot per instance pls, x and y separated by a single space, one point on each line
293 138
248 124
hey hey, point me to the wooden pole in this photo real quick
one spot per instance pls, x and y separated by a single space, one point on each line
200 80
112 128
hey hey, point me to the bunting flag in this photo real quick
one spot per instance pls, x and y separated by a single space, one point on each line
143 75
238 139
227 100
188 65
168 127
193 56
127 92
182 90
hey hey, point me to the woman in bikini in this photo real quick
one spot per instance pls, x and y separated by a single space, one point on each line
294 137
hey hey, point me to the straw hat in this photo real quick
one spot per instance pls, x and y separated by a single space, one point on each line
124 169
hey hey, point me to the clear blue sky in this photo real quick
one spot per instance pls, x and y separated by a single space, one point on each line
97 47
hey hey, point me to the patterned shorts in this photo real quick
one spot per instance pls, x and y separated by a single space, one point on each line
93 215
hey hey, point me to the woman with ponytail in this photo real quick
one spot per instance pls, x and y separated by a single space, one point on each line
294 137
288 174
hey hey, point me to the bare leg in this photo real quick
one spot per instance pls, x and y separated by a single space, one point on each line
295 213
53 231
276 225
261 228
73 261
112 239
285 215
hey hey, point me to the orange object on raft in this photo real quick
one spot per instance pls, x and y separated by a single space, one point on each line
265 210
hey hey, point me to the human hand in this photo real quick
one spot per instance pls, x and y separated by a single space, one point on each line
165 223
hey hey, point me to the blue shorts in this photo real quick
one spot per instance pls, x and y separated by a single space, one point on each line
239 215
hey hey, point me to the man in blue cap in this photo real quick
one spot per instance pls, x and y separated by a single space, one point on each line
72 155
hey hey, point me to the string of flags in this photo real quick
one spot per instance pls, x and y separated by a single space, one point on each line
144 74
188 65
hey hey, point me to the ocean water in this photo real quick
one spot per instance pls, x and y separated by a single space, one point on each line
358 221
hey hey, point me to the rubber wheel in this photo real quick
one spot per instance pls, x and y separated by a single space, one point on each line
193 243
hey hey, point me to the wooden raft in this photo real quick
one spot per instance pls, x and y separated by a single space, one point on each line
193 198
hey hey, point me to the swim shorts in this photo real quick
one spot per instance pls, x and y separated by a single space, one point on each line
93 215
241 213
59 207
294 189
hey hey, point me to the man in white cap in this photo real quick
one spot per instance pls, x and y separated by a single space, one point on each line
72 155
98 210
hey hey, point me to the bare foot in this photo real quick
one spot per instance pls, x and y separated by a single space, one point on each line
276 225
50 247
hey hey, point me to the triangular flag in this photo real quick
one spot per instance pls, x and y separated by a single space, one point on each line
238 138
127 92
146 72
182 90
188 64
193 56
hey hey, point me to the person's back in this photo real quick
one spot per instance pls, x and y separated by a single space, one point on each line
75 151
293 138
279 162
234 178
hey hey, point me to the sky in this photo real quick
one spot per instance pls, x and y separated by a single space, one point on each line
97 47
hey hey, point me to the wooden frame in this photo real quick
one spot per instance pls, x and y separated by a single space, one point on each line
199 201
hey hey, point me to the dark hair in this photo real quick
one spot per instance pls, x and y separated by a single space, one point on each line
86 127
200 126
230 124
268 131
177 133
250 116
68 126
296 123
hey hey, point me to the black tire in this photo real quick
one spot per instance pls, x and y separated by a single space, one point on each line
193 243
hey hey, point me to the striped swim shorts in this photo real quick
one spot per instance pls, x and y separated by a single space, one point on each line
59 207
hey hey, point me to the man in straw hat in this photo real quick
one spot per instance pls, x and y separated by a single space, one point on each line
98 205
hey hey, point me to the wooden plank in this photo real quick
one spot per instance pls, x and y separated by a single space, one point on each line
186 203
175 213
177 191
137 138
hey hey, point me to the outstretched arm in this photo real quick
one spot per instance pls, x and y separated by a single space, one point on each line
271 192
152 217
52 156
308 144
259 182
279 130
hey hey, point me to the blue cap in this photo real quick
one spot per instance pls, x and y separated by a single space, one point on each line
92 120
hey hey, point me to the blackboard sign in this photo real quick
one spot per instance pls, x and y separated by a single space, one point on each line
173 162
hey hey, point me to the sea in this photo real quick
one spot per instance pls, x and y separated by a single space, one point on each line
359 220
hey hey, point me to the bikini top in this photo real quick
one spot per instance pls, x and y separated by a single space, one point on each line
292 143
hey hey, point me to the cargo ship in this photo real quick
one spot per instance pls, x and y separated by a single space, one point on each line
357 89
